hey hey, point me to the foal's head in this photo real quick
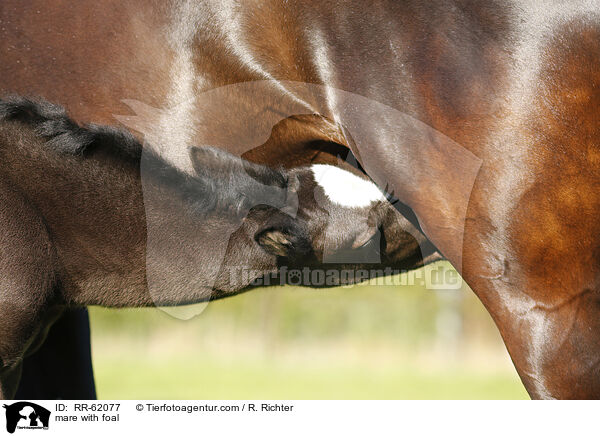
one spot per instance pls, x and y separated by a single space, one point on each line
317 217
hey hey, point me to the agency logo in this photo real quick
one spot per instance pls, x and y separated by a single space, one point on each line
27 416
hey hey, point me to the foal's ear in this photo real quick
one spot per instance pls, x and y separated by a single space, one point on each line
276 242
284 241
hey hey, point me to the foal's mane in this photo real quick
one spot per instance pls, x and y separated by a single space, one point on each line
65 136
207 191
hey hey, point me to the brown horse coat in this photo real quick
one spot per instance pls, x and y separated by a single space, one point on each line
514 83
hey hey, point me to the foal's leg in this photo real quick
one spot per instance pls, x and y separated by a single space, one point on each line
62 367
9 381
27 283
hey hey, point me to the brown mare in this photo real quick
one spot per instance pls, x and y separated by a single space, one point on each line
499 158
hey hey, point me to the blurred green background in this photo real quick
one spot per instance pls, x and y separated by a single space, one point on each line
365 342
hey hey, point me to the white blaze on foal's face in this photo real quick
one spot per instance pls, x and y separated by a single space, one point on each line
344 188
349 200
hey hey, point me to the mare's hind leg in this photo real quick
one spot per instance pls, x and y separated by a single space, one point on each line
27 283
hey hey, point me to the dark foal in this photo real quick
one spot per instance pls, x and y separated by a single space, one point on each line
89 218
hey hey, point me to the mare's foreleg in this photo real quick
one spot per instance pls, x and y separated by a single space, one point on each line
542 287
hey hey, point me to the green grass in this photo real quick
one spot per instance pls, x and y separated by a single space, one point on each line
119 378
379 342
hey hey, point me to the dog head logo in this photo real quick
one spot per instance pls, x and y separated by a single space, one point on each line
26 415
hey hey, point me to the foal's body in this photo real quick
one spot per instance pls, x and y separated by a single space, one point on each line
88 218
